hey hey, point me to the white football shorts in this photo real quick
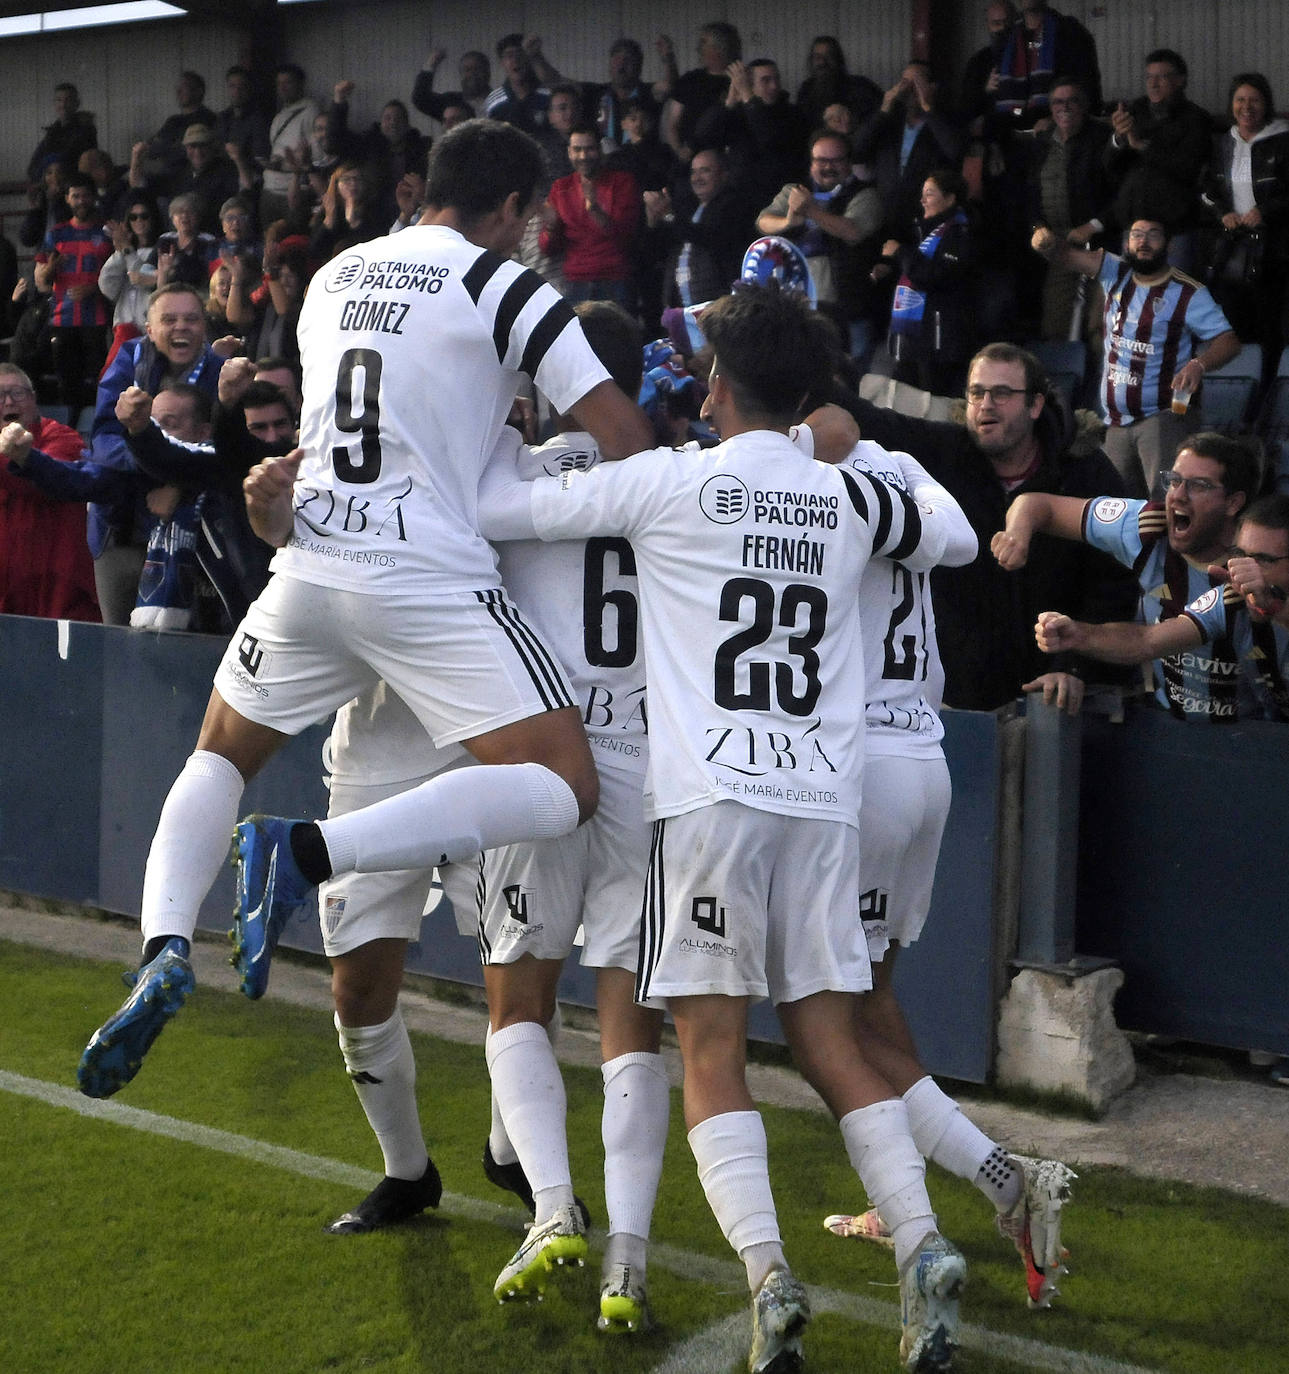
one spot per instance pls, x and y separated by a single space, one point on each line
901 823
465 664
745 902
531 898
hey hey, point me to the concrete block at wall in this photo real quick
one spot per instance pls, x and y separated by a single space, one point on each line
1057 1033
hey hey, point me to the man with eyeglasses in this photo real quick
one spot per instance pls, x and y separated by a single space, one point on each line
1018 438
1163 332
1069 190
1258 583
836 221
1176 551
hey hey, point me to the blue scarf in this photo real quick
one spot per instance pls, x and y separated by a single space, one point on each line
909 304
1025 80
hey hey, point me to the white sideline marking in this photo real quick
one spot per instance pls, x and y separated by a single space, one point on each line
706 1352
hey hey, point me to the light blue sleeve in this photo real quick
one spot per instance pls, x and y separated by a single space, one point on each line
1209 614
1110 523
1204 317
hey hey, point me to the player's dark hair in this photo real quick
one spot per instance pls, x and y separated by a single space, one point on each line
1271 512
616 339
771 349
203 404
264 394
1241 469
1037 382
474 167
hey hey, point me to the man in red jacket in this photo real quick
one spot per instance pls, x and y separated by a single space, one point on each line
45 564
591 217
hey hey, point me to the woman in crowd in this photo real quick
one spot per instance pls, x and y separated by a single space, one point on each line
1246 198
129 275
932 335
184 254
349 214
218 323
267 317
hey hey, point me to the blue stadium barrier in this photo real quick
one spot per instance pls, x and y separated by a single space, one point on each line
98 721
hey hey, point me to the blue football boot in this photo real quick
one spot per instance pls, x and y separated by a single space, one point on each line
115 1051
270 890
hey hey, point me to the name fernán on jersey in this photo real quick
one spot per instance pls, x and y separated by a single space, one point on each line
789 553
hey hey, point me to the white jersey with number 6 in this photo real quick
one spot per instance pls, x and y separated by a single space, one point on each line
410 347
582 595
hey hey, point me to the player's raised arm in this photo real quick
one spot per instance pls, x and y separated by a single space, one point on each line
616 423
943 519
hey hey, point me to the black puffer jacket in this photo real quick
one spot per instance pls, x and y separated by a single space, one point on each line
985 616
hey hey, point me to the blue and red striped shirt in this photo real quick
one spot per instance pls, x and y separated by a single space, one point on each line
82 250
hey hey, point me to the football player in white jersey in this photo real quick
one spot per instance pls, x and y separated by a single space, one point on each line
411 347
902 818
749 558
525 902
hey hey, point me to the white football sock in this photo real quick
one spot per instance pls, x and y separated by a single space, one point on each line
530 1093
637 1103
883 1154
190 845
451 817
498 1141
733 1167
943 1133
382 1069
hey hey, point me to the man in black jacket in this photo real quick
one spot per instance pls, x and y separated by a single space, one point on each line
1017 438
1160 146
1069 190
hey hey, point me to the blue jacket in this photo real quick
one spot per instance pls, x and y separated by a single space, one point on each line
137 363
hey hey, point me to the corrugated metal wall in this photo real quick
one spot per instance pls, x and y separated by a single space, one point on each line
126 75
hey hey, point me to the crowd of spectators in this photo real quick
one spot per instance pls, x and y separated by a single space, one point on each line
901 194
944 220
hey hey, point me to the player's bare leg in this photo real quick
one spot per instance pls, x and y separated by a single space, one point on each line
637 1104
378 1056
